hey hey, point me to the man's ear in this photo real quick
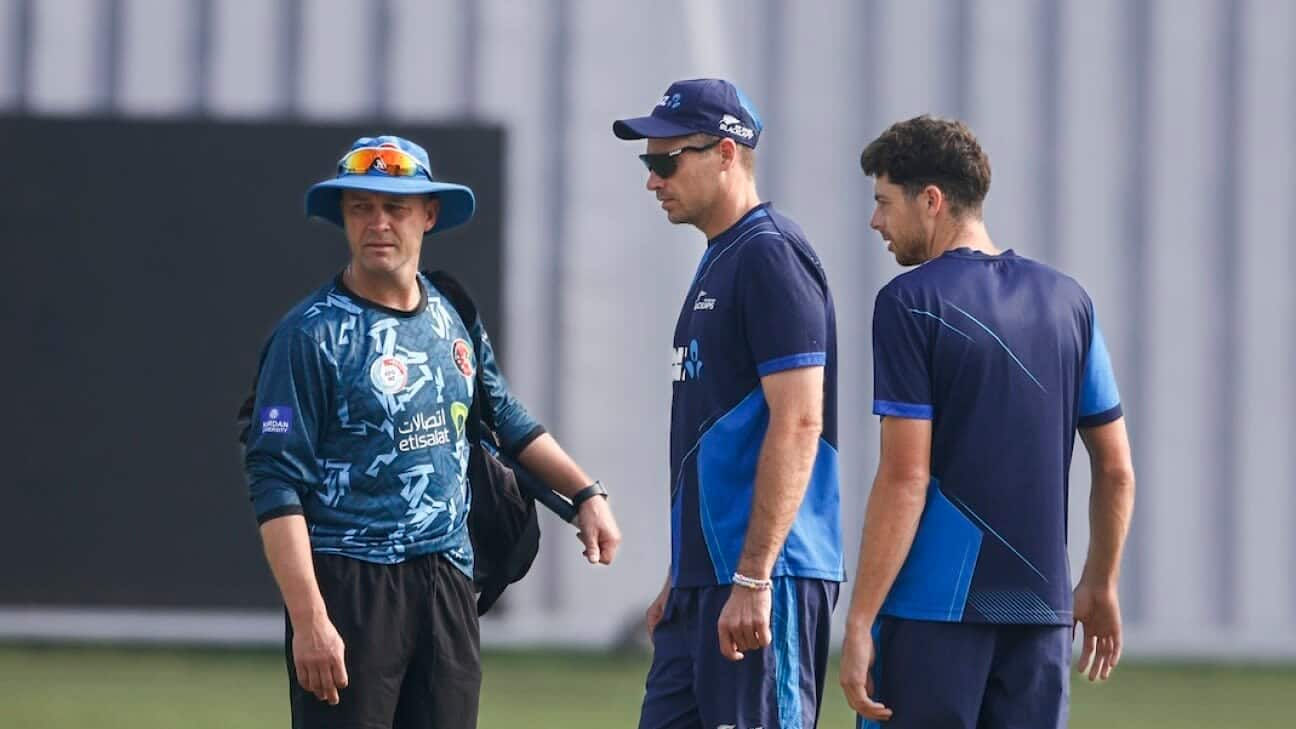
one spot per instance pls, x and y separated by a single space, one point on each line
433 212
933 199
728 153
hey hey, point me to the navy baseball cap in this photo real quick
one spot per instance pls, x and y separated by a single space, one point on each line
394 166
707 105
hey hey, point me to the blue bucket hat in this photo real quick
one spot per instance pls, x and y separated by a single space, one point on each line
707 105
324 199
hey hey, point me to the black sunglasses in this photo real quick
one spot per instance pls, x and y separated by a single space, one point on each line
665 164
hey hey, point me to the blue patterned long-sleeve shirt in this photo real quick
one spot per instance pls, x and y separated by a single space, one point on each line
359 424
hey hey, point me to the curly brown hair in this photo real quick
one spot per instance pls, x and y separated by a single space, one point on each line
926 151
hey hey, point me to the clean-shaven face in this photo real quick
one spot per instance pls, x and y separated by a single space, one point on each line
688 193
385 232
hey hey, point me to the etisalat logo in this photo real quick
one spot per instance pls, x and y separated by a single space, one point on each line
276 419
686 364
422 431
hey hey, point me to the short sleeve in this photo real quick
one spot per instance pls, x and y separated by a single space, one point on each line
1099 397
292 393
901 381
785 311
515 426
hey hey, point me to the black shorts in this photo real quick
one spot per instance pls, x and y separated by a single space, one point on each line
412 653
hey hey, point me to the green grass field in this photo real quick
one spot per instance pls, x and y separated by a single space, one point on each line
61 687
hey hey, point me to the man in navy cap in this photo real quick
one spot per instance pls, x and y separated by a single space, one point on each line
740 629
357 458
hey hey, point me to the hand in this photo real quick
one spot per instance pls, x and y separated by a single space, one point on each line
1098 608
598 531
744 623
856 678
658 608
317 655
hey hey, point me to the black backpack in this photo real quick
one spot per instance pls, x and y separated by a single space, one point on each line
502 521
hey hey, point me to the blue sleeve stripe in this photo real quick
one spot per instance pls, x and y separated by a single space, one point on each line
902 409
1103 418
791 362
1098 391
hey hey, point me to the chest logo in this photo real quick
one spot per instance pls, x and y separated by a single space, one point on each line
463 358
703 302
686 363
389 374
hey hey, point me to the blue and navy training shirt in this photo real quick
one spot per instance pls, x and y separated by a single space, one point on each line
759 304
359 424
1005 357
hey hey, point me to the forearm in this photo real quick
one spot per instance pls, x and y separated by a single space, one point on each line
890 523
288 550
1111 506
782 475
547 460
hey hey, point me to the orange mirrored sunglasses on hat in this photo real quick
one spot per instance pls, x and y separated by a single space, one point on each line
391 161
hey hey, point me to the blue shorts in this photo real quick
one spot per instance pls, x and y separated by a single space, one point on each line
970 675
692 686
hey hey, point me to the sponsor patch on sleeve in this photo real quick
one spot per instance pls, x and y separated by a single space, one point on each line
276 419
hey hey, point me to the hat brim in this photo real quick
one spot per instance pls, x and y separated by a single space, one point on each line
649 127
324 199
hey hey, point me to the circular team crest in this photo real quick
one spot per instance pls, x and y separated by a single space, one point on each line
463 357
389 374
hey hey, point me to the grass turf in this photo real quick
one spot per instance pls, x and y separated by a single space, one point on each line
57 687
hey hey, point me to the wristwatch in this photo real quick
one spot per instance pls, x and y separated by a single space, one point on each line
589 492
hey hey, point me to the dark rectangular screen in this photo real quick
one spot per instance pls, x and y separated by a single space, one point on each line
146 263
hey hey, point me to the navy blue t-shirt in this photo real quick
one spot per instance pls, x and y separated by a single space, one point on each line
1004 355
759 304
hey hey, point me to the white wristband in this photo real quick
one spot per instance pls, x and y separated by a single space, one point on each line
752 583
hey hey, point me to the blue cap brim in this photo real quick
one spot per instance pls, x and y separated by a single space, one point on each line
324 199
649 127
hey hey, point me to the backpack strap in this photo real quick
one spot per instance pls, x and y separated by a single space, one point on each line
481 421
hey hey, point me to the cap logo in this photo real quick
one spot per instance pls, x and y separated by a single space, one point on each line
729 124
670 101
